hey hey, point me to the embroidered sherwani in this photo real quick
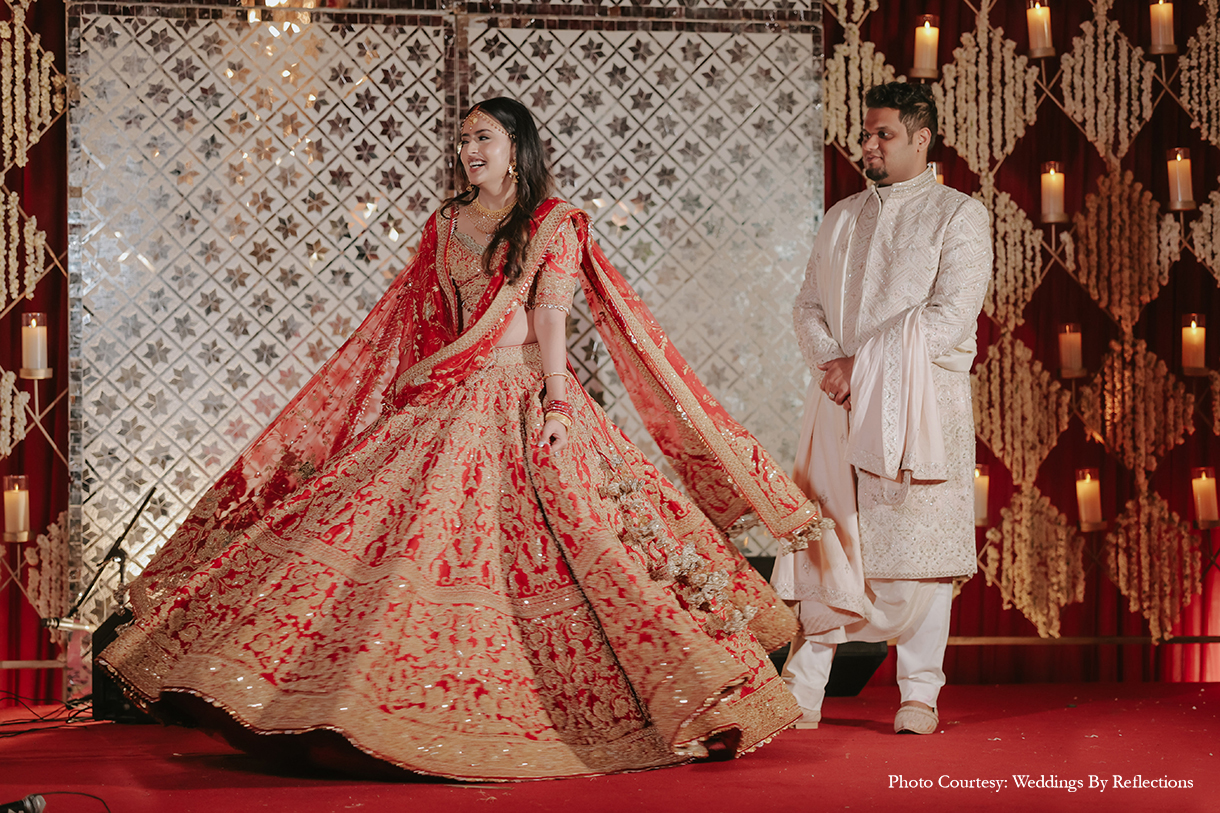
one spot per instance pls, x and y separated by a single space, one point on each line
896 279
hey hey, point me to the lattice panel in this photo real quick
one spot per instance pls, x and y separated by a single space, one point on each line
695 153
245 198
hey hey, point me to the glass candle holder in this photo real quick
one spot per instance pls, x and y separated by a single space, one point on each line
1053 181
982 484
927 39
1162 28
1181 189
16 508
1203 484
1194 344
1088 499
34 346
1038 19
1071 358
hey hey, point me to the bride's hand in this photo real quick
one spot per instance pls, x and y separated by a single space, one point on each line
555 434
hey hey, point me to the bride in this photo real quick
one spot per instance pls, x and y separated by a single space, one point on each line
443 557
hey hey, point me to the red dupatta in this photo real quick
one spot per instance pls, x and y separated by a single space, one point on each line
409 349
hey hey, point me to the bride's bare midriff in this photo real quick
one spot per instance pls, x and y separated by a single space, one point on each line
520 329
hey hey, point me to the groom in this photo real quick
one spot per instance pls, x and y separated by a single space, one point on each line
886 321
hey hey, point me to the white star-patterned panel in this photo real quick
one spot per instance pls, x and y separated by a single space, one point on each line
697 154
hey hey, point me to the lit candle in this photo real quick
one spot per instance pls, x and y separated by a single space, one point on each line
938 169
34 341
927 36
1181 192
1071 361
1203 482
1194 344
16 506
1162 28
1088 496
982 479
1038 17
1052 193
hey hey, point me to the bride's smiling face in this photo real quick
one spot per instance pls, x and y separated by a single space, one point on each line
487 151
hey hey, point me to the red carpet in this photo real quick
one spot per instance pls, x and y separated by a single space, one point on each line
1060 735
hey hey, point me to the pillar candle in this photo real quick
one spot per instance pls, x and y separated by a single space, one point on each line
1088 496
34 341
1181 191
982 480
1052 193
938 169
1194 341
1162 28
927 37
1203 482
16 505
1070 357
1038 18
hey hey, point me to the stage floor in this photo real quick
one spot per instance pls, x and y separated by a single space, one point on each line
1066 740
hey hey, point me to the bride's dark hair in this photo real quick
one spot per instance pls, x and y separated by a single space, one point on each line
534 183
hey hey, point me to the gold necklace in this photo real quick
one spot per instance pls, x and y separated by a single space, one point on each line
484 219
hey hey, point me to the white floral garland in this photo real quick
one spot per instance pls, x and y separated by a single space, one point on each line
1214 378
859 10
987 96
13 421
1205 234
1121 257
1200 76
27 107
1153 558
1018 257
1136 407
1019 409
47 581
1034 556
853 67
1107 85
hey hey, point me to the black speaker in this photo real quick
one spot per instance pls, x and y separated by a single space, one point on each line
109 702
855 662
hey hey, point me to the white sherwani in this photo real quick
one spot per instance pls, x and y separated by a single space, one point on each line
896 279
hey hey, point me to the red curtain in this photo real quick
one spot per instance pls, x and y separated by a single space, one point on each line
1192 288
42 186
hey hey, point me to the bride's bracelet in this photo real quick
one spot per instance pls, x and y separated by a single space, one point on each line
563 374
562 407
559 416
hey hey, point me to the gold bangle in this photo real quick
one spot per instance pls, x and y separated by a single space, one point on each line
558 416
564 374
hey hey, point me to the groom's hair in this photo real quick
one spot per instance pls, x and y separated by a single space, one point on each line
914 103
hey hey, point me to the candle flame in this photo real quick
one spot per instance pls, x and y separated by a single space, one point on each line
927 24
34 322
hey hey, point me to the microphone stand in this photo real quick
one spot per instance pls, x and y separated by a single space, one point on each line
117 553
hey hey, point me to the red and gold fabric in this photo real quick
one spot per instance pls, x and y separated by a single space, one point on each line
395 560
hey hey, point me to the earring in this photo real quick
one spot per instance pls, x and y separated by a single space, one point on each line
512 171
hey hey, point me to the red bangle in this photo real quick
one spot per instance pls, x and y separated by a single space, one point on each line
560 406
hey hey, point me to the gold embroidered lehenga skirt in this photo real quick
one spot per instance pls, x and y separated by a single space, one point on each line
457 602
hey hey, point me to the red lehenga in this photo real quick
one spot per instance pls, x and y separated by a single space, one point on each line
395 561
